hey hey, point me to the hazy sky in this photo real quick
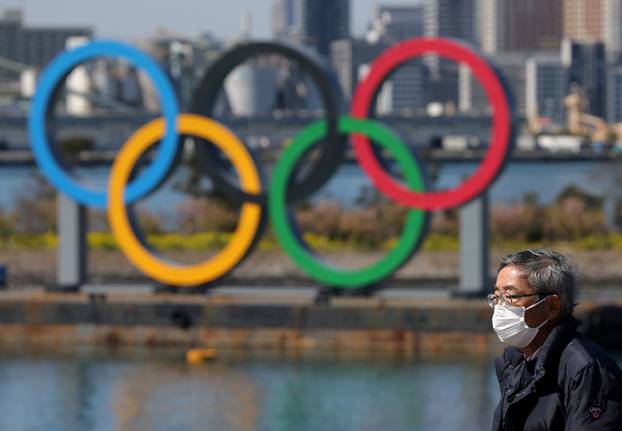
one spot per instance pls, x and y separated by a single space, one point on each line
127 19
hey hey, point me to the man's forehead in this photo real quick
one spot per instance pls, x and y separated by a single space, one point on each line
511 279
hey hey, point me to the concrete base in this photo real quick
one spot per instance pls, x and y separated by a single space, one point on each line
64 288
287 321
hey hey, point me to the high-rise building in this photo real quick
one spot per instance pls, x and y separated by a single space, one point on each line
451 18
583 20
614 93
442 83
282 18
347 57
315 23
546 85
407 92
587 71
323 21
612 30
34 46
78 83
520 25
512 66
395 23
10 29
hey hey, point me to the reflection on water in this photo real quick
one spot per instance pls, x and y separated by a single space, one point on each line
104 392
134 392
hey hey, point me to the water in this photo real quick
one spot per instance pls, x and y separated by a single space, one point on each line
87 392
157 391
544 178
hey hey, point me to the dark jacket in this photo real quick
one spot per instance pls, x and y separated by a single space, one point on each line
571 385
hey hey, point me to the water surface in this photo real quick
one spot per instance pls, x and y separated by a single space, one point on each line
160 392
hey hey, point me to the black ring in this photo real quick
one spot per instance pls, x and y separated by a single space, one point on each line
333 149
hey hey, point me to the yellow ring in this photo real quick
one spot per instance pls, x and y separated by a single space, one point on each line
228 257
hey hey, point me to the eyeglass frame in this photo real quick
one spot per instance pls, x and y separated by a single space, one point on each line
491 297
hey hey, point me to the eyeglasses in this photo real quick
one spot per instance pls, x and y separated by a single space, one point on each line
508 299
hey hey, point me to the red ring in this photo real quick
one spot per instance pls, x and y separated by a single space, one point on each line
492 163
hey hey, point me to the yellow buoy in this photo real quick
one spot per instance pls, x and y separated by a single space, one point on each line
197 356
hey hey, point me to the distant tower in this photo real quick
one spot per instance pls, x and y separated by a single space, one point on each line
282 18
614 94
247 25
394 23
587 70
583 20
448 19
612 30
33 46
546 84
347 57
315 23
512 65
451 18
78 81
520 25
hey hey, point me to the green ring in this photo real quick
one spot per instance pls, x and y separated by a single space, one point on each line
297 250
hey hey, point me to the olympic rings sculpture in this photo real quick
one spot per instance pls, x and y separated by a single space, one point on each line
285 186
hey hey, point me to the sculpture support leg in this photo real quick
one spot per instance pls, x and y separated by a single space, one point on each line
72 245
474 248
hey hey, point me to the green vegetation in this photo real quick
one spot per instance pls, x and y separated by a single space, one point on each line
575 220
211 241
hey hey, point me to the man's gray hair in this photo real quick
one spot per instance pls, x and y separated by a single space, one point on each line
547 271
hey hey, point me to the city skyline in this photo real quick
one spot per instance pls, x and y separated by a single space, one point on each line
505 29
183 17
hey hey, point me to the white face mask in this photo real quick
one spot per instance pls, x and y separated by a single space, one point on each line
509 323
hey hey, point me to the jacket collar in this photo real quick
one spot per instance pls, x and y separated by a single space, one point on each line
555 342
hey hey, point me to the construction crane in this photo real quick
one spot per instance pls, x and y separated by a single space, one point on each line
579 122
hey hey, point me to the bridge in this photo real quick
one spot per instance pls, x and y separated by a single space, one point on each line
24 157
267 135
109 131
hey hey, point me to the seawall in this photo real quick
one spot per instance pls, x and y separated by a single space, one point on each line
294 324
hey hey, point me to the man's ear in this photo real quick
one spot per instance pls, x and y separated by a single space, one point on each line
554 307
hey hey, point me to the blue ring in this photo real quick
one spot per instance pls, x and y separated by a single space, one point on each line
43 153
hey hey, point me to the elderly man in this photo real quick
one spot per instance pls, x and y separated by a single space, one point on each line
551 377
